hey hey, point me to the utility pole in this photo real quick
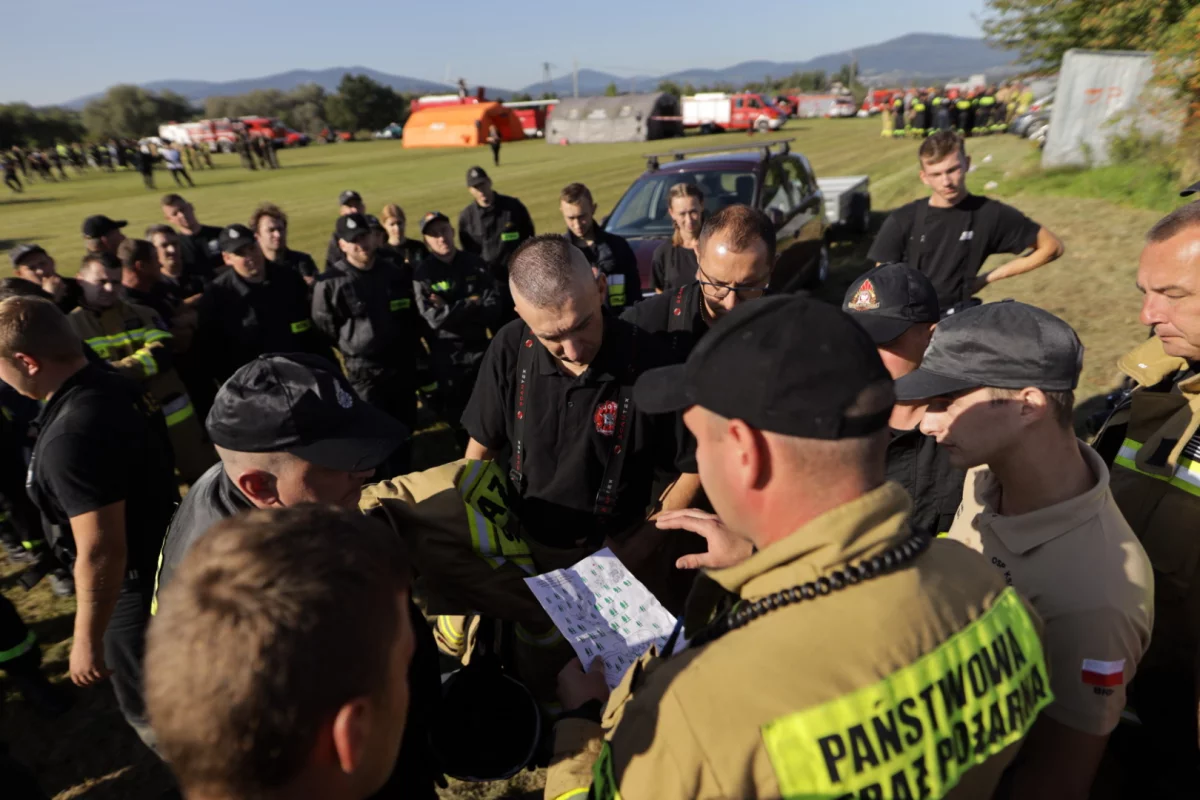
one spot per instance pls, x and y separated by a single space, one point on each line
575 76
546 79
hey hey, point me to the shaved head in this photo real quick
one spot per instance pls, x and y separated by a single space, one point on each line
547 270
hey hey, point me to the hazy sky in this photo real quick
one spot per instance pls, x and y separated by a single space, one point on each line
57 50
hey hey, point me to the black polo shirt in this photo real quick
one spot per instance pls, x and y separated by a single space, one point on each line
569 425
949 245
200 253
672 267
300 263
613 256
239 321
100 440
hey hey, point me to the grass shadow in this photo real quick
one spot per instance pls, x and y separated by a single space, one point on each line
20 200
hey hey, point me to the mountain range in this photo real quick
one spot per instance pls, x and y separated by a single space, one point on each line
923 56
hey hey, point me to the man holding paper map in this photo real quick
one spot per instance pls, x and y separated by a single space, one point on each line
831 651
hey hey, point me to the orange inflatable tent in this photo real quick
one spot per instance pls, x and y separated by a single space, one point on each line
460 125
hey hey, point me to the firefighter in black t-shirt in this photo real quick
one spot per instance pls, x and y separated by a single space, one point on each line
270 227
492 225
199 248
102 477
459 302
252 308
365 305
948 237
674 262
608 253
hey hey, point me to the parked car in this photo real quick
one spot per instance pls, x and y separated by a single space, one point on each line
1038 111
766 176
293 138
330 135
393 131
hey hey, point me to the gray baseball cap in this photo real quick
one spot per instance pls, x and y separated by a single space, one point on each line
1005 345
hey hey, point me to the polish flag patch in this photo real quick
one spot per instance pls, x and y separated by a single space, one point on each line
1103 673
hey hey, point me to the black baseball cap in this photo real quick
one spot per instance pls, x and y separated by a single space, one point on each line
791 365
890 299
349 198
430 218
353 227
1005 345
235 237
97 225
301 404
476 176
1191 190
22 251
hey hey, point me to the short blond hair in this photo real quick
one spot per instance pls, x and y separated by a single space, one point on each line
37 328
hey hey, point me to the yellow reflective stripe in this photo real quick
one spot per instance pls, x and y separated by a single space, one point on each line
301 326
152 335
616 293
549 639
510 236
29 545
179 416
399 303
149 365
604 782
1187 471
429 387
573 793
482 486
158 574
18 650
917 731
445 626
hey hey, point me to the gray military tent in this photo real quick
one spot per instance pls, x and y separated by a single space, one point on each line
626 118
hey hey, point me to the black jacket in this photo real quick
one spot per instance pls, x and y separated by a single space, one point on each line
370 315
493 233
916 462
458 324
241 321
301 263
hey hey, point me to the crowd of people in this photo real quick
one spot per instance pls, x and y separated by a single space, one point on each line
983 111
897 570
24 166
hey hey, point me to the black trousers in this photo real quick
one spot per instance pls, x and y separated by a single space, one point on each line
176 173
496 153
125 649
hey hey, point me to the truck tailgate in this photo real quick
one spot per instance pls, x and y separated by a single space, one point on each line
838 191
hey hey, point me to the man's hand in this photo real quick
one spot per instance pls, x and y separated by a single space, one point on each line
576 687
724 548
87 662
54 286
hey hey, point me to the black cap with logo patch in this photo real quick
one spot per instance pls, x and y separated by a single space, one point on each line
301 404
353 227
790 365
476 176
890 299
349 198
235 237
1005 345
97 225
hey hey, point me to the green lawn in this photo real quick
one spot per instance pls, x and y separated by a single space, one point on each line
90 752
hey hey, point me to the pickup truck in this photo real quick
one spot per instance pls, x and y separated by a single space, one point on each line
807 211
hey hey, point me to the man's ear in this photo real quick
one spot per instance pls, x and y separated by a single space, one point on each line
601 283
349 733
27 363
260 488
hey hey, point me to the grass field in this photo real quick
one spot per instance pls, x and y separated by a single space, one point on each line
90 753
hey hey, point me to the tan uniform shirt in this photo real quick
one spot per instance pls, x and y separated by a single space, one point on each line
917 683
1086 574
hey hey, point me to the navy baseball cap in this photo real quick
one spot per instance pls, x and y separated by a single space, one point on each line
890 299
22 251
430 218
97 225
349 198
787 364
352 227
301 404
235 237
1005 345
476 176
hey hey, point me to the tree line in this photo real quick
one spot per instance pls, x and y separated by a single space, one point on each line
127 111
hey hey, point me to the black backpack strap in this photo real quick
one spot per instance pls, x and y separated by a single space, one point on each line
610 481
525 368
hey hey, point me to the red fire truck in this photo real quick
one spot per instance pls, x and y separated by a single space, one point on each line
718 111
